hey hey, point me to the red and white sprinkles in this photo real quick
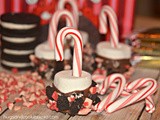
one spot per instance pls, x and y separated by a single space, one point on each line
78 44
54 24
108 12
28 87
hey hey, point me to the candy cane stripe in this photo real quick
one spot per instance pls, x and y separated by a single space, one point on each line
77 57
150 87
113 95
54 24
111 15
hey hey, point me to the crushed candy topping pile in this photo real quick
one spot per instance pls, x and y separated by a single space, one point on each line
29 89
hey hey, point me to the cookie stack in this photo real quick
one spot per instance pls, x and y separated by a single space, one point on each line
19 38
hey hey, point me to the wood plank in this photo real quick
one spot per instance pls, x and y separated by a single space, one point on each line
156 114
131 112
128 113
156 97
38 111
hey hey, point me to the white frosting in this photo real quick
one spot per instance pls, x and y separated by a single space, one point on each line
85 38
17 26
17 52
43 51
105 49
65 82
13 64
18 40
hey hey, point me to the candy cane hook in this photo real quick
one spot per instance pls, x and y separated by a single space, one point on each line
78 44
108 12
99 107
61 5
54 24
148 86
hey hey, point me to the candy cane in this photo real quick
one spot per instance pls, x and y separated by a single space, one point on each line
112 18
78 44
61 5
99 107
99 76
54 24
149 86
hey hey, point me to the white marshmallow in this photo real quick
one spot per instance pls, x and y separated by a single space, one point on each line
65 82
43 51
105 49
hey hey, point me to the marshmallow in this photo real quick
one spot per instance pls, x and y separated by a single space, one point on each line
104 49
66 83
43 51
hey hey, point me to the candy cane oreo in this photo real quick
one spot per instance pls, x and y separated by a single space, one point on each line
72 90
69 81
116 55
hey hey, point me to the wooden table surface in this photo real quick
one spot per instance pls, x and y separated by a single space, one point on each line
132 112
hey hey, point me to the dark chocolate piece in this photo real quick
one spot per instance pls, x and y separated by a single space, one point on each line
49 92
76 106
62 103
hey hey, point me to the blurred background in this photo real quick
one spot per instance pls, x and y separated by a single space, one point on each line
149 8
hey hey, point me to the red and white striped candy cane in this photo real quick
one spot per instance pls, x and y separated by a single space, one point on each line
99 75
16 5
75 11
99 107
108 12
78 44
149 101
147 87
54 24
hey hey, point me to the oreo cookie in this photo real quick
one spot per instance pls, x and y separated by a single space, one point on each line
19 37
20 18
15 58
20 33
19 43
8 66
